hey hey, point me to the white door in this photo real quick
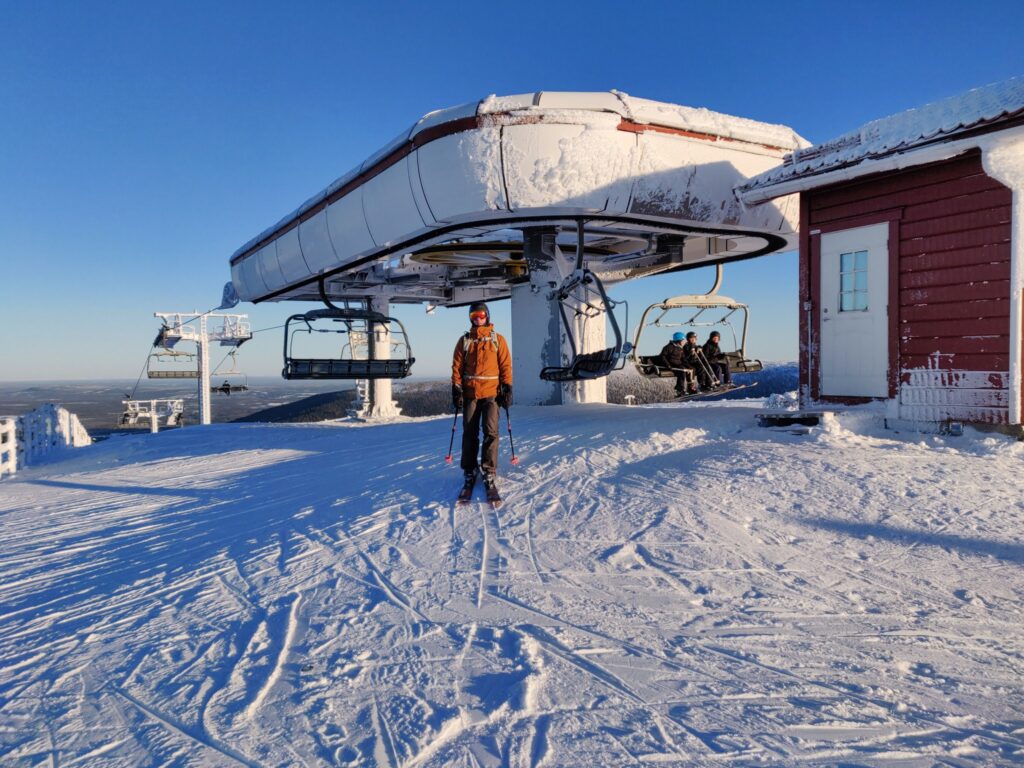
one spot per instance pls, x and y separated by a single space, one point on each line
854 349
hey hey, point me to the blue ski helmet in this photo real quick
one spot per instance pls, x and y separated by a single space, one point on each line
678 336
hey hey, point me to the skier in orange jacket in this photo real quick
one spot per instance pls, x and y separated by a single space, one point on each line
481 386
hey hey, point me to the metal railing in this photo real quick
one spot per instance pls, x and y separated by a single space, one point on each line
152 411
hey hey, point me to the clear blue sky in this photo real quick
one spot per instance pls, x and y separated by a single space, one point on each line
142 143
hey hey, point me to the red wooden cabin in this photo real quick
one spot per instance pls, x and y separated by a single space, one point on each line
912 261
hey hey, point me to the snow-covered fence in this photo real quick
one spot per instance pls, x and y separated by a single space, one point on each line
47 429
8 445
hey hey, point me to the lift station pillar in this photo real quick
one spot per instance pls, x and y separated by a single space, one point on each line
539 339
374 396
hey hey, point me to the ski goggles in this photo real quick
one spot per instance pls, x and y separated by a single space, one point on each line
474 316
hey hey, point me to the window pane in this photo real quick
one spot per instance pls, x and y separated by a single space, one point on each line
846 262
846 282
860 301
845 302
861 281
861 262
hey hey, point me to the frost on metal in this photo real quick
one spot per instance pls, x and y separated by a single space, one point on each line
8 445
941 392
38 434
476 170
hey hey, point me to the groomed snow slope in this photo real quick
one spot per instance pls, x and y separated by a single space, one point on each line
664 585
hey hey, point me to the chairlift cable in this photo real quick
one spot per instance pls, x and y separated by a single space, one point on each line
218 365
145 365
192 319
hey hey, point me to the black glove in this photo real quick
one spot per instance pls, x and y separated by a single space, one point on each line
504 398
457 397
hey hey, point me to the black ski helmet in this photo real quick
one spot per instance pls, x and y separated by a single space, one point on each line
479 306
715 335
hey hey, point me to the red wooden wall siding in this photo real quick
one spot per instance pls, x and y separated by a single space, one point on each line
954 226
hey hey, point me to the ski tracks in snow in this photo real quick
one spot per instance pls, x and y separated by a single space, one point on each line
651 591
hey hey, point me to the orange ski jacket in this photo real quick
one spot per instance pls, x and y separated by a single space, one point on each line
481 362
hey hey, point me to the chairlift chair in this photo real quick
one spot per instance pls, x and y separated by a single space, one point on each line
345 365
583 293
160 365
695 311
234 379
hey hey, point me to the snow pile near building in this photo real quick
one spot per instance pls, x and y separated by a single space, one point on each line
663 584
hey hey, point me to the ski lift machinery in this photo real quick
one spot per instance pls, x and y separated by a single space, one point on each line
706 310
583 293
359 325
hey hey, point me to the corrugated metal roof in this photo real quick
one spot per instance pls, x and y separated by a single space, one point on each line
933 122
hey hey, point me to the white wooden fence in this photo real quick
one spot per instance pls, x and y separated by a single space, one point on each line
26 439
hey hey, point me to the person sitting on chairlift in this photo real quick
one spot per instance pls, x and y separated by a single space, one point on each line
693 355
716 358
672 357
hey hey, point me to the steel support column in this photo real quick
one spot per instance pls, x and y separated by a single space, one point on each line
374 395
536 328
538 338
203 344
590 334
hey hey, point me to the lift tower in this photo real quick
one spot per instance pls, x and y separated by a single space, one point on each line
227 330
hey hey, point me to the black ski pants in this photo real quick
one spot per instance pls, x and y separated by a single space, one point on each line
685 380
479 414
721 372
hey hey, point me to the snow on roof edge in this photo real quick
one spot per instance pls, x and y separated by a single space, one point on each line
938 121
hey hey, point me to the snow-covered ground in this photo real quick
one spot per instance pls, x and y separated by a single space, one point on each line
666 585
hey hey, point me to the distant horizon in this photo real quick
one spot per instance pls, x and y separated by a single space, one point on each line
269 378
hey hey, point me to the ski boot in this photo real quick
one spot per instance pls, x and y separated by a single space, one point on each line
469 482
491 488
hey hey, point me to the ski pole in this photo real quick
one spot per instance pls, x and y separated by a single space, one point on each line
451 443
707 368
511 442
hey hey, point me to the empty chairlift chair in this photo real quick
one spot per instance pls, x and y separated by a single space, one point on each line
584 295
167 362
336 343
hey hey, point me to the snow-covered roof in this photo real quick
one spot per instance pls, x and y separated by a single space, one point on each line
550 104
936 122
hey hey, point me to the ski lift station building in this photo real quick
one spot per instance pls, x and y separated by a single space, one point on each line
490 200
912 260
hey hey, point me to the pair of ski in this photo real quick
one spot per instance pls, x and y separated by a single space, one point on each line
466 494
716 391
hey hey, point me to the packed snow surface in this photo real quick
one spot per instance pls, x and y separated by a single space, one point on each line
668 585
